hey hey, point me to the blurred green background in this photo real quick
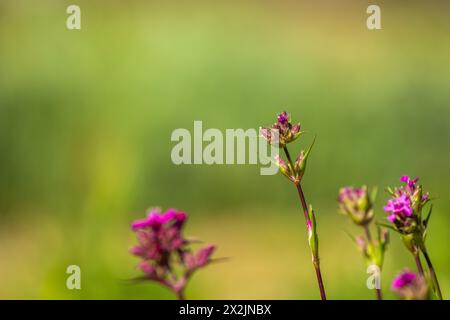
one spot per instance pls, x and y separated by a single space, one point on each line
86 118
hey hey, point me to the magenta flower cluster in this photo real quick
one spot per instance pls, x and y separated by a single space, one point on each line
410 285
399 207
158 235
406 204
406 217
405 213
403 279
164 250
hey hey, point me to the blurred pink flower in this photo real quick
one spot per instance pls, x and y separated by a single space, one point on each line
165 253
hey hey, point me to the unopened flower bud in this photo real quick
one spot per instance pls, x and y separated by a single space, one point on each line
269 134
361 243
148 270
284 167
300 162
300 165
283 118
189 261
313 237
383 236
203 256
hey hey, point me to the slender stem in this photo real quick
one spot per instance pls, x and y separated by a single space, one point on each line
303 202
433 275
299 188
418 263
308 221
323 296
379 294
180 295
367 231
288 156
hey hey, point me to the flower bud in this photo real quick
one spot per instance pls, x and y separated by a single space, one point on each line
313 237
270 134
300 162
189 261
361 243
287 132
383 236
284 167
357 204
300 165
148 270
203 256
283 118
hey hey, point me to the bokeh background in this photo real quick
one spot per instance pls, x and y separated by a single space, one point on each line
86 118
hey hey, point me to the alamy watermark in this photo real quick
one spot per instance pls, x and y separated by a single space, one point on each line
73 21
233 146
374 280
73 281
373 22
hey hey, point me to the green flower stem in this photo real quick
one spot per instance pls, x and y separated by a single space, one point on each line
309 223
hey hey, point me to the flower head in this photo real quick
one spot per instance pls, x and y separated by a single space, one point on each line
282 132
163 249
411 286
357 204
405 207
